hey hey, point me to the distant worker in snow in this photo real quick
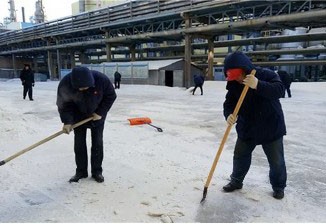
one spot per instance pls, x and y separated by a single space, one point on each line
286 80
260 120
84 93
117 80
199 82
27 78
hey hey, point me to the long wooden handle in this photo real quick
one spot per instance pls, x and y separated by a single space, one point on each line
43 141
226 134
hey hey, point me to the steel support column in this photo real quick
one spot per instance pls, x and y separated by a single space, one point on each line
65 60
14 64
50 65
187 66
210 59
108 52
133 52
72 59
108 48
58 64
35 67
83 58
58 71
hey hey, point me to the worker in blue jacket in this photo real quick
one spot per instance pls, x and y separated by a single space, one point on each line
84 93
260 120
199 82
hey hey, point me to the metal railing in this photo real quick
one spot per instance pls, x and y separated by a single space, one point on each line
140 19
96 19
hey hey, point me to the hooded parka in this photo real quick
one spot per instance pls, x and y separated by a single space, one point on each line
260 118
75 105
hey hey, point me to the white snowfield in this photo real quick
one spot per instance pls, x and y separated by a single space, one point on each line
152 176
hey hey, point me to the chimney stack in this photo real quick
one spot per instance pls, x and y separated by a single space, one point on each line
23 14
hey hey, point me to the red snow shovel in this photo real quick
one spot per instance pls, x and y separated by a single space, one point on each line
143 120
43 141
226 134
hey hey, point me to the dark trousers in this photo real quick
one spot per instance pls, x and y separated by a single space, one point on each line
275 156
29 89
201 89
287 89
117 84
96 149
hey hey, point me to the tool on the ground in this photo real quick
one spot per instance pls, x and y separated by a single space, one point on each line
143 120
43 141
226 134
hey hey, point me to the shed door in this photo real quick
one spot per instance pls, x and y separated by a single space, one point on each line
169 78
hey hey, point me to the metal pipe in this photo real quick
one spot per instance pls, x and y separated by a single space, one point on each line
261 23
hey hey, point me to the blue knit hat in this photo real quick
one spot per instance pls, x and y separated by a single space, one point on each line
81 77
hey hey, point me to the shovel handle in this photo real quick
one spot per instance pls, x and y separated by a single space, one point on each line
226 134
43 141
158 129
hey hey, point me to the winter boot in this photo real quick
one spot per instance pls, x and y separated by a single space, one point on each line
231 187
278 194
77 177
98 177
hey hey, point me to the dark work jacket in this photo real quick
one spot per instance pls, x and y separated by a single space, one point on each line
260 117
117 77
27 77
198 80
285 77
74 105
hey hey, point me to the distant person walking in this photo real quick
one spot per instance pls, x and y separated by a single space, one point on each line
286 80
199 82
27 78
117 80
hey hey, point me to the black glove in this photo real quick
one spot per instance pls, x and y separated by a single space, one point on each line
33 84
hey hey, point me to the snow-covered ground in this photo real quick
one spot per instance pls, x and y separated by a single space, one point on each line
152 176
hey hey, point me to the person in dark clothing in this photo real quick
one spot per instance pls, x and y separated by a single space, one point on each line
286 80
117 80
260 120
199 82
27 78
81 94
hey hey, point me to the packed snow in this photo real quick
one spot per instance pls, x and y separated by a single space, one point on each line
153 176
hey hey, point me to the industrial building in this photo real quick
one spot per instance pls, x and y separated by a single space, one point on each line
278 34
157 72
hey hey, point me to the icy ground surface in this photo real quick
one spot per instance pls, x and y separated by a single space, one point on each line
152 176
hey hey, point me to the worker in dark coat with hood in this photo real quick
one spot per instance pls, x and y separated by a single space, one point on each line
286 80
117 80
27 78
199 82
84 93
260 120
